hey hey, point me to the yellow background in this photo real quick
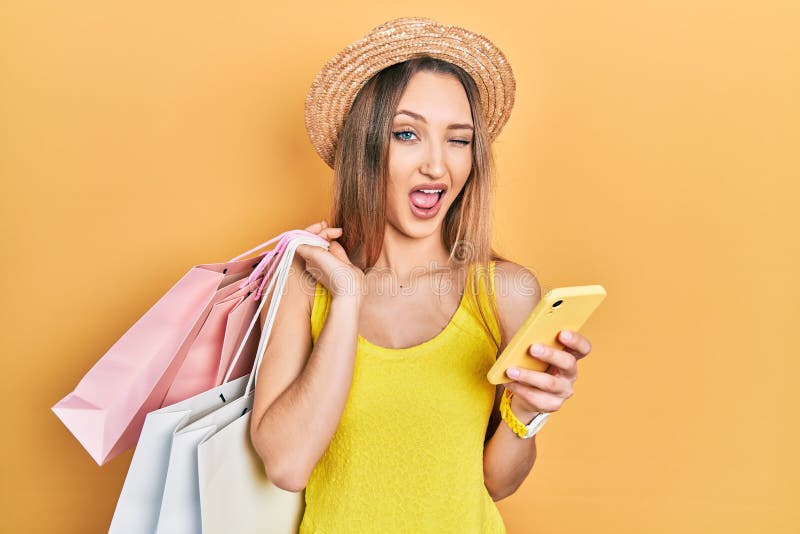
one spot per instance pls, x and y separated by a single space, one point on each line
653 149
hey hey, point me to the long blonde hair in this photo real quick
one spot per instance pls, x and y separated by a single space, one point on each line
361 173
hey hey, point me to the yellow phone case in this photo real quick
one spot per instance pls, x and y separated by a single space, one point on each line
561 308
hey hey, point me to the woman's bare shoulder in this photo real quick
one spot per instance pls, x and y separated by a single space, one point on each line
517 291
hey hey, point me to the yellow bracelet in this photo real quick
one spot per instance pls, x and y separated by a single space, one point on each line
517 426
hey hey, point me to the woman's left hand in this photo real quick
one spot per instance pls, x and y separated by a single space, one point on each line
537 392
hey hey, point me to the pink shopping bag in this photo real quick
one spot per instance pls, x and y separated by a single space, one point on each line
200 367
106 411
209 356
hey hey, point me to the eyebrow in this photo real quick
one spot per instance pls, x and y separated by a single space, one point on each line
455 126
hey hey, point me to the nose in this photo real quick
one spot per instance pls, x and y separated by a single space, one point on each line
434 164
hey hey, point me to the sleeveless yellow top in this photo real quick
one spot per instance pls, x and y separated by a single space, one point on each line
407 455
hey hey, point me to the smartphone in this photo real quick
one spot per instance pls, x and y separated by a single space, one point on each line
561 308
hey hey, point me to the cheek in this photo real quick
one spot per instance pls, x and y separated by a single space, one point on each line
461 172
464 165
401 163
395 196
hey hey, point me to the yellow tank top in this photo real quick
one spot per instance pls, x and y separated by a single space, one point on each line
407 455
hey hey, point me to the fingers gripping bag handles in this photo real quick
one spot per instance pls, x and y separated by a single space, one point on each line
160 493
107 408
235 493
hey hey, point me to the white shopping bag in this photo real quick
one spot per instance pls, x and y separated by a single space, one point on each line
139 502
180 504
235 493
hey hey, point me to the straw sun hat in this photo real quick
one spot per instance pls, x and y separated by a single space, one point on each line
335 87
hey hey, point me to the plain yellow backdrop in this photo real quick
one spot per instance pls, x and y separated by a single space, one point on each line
653 148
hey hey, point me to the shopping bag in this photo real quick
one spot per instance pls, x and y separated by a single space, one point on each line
274 510
139 503
235 492
207 360
107 408
160 493
237 322
201 366
179 510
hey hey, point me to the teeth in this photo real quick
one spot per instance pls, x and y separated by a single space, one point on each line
430 190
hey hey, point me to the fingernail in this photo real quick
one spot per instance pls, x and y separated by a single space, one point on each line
537 349
513 372
566 335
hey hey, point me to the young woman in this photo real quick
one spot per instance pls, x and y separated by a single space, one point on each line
372 395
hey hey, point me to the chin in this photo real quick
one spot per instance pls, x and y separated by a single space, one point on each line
417 228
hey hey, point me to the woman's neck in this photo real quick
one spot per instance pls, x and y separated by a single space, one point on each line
405 258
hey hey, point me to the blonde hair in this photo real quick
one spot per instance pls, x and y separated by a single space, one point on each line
361 172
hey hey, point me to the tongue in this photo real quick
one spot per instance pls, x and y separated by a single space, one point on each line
424 200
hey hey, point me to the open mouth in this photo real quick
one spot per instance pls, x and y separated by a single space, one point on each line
425 203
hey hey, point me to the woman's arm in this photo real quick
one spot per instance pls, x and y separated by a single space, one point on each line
507 459
300 392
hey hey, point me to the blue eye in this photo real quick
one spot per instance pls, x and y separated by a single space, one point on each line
398 134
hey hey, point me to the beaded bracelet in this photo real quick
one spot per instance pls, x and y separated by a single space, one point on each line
517 426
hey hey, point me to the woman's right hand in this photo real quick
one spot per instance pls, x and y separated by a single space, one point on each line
332 268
